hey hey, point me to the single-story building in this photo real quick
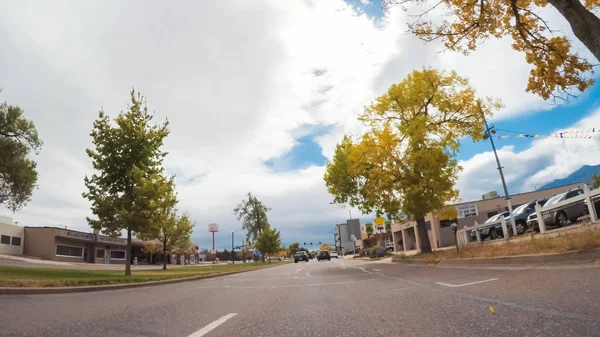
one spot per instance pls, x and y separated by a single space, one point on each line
61 244
11 237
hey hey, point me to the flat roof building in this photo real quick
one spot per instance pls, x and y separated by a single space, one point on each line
405 236
61 244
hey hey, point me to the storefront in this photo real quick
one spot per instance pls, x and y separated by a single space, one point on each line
58 244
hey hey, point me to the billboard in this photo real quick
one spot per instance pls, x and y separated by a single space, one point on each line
213 227
467 210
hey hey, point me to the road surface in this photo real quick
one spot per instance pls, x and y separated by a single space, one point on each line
328 298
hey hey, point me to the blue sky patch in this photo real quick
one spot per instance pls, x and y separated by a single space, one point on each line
545 122
306 152
371 8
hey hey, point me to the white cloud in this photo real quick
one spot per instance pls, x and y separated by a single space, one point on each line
546 160
237 83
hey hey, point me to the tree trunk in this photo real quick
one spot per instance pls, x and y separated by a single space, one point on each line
128 254
585 25
165 255
423 236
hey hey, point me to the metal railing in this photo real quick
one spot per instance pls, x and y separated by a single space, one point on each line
588 197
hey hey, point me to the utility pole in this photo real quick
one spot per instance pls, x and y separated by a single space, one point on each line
506 195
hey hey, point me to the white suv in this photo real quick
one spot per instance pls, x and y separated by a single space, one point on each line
333 254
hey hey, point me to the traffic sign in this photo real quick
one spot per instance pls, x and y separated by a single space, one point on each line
213 251
379 220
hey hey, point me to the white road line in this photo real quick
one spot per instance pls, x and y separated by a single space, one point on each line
297 271
308 274
212 326
375 269
464 284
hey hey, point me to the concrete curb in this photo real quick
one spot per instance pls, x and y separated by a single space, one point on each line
82 289
581 256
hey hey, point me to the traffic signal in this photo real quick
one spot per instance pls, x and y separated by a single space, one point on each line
311 243
319 242
304 244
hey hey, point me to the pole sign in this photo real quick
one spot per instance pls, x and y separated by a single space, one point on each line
213 227
379 220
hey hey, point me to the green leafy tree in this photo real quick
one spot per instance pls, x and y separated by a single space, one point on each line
153 247
406 163
18 175
128 163
557 67
253 214
268 242
167 227
294 248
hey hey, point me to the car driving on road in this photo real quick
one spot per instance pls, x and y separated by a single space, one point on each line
300 256
333 255
323 255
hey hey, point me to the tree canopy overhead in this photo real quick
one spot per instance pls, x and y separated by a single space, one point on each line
557 67
18 139
406 163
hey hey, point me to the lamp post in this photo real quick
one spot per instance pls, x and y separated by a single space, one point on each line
344 208
486 135
232 252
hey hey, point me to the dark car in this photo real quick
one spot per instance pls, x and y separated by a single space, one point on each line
323 255
310 256
300 256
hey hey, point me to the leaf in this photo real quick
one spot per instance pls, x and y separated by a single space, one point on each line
492 310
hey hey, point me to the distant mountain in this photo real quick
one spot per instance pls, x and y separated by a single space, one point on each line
584 174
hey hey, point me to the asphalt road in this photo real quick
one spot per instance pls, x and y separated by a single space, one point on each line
328 298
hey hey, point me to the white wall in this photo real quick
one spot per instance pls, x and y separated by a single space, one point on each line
8 229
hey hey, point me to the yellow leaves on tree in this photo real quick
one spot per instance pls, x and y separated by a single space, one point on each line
557 68
406 163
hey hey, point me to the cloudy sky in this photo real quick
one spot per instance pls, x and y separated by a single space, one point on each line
257 94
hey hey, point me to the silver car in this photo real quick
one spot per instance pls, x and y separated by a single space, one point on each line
560 217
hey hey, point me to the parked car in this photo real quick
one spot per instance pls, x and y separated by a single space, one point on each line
323 255
561 217
522 213
300 256
333 254
489 231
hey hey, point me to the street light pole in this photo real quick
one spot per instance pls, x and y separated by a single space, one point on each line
506 195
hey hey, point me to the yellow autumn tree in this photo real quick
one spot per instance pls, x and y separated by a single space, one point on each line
406 163
557 68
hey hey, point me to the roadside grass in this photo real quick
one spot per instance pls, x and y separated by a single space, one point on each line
51 277
584 238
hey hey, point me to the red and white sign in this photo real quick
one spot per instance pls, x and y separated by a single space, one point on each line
213 227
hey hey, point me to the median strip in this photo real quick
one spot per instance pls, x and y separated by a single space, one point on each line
19 280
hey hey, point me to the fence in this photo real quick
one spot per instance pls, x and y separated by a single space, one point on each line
589 198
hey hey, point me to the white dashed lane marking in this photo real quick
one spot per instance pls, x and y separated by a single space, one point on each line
464 284
212 326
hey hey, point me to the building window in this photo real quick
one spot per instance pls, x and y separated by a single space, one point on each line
69 251
5 239
117 255
100 253
16 241
447 223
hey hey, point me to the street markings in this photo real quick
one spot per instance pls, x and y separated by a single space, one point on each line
212 325
464 284
297 271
